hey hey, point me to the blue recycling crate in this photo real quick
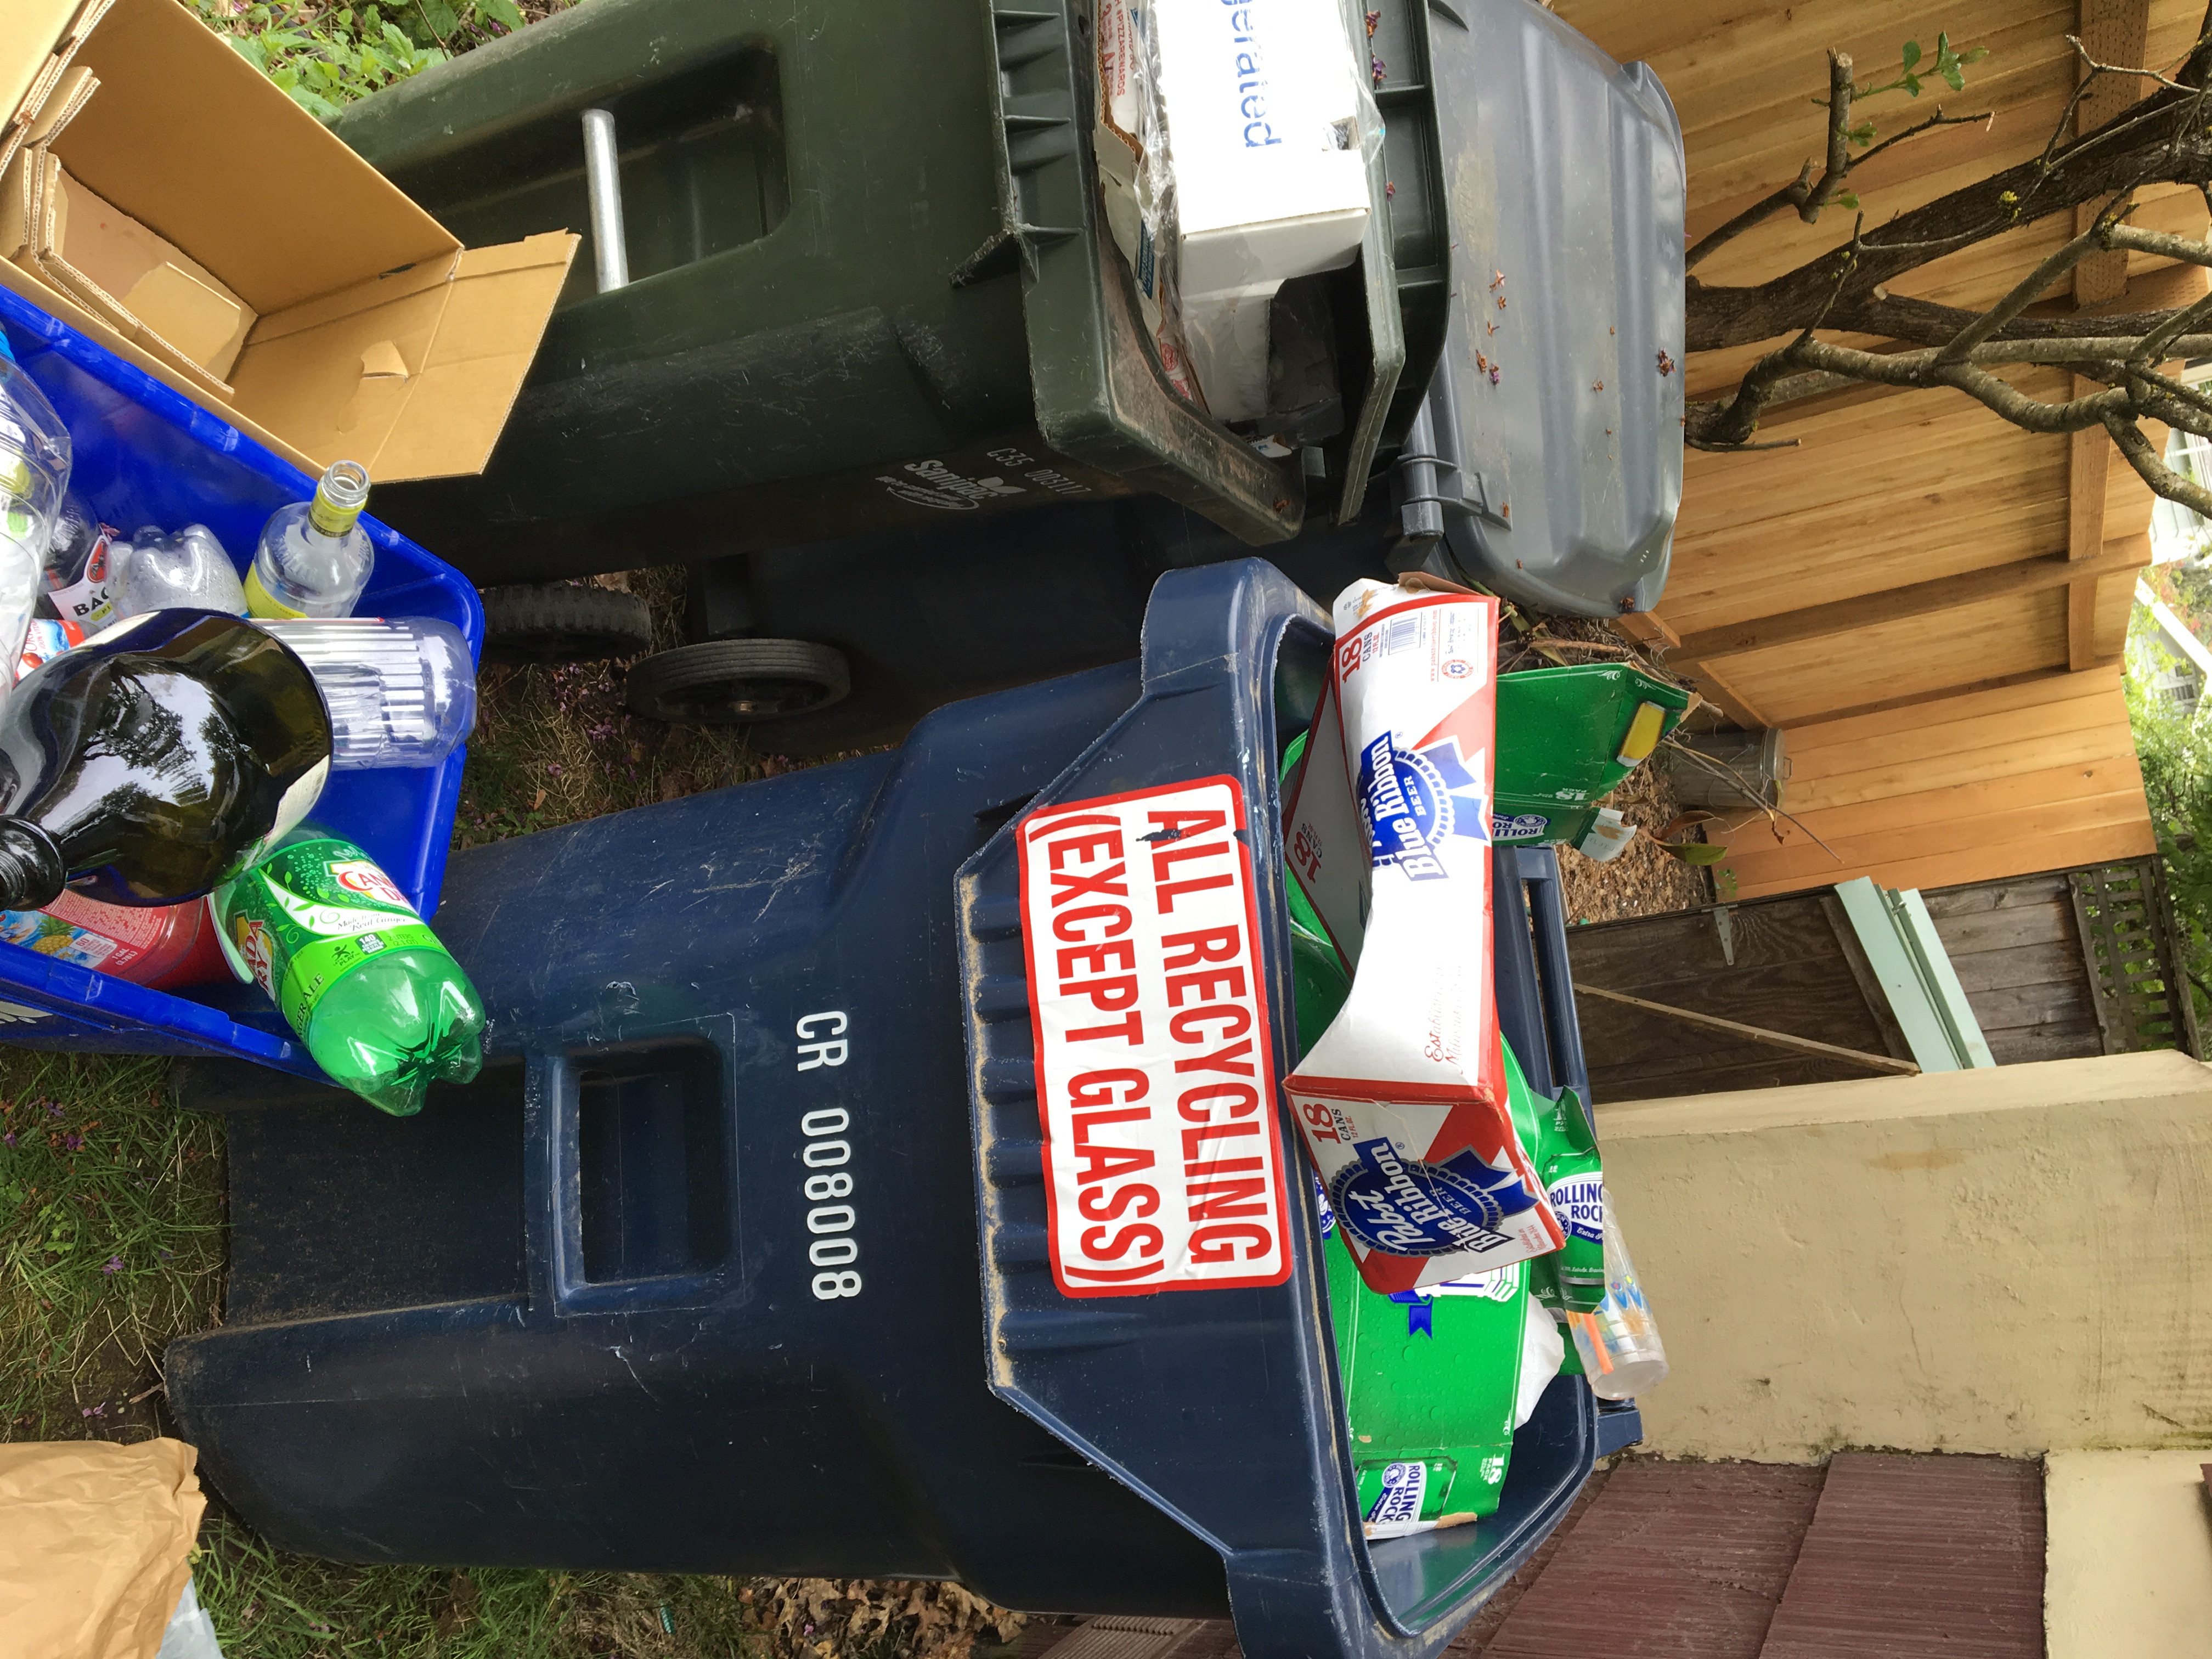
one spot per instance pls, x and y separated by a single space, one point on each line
146 454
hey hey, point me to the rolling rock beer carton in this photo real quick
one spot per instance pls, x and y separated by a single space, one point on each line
1403 1102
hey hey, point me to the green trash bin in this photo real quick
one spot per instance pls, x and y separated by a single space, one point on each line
869 282
1566 739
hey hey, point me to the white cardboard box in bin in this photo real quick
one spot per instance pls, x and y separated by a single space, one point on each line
161 195
1263 113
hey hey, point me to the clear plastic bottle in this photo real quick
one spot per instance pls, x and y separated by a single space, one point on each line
401 691
80 566
189 571
380 1005
314 557
35 471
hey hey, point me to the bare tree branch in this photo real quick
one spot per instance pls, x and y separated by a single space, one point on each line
1801 193
2165 137
2024 292
1839 138
2162 139
2162 478
1758 214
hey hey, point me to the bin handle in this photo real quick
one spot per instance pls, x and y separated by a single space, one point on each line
553 1222
603 179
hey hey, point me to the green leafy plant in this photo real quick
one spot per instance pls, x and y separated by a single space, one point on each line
2174 747
1949 66
327 57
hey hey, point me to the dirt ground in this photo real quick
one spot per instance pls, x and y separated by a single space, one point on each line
1645 880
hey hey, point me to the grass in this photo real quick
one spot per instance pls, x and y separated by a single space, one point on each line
111 1241
268 1605
555 745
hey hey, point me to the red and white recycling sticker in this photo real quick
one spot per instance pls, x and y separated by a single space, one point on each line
1155 1072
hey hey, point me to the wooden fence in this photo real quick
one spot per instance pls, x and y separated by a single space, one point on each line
1792 964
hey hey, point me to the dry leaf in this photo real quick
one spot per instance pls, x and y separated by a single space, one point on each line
1683 821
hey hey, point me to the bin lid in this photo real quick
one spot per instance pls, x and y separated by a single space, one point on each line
1548 458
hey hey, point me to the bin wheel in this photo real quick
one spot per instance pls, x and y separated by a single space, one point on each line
550 623
738 681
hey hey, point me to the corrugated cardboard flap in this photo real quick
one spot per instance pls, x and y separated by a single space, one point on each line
411 374
502 298
204 150
411 371
125 251
37 39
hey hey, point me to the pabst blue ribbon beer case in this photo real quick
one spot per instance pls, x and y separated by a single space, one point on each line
1403 1102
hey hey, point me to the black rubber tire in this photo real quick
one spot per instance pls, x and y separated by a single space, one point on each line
550 622
738 681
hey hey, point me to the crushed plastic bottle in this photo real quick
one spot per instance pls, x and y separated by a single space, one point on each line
380 1003
188 571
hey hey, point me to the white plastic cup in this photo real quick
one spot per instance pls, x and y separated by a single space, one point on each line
1618 1344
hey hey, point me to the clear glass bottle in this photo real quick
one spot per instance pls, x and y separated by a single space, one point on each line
314 557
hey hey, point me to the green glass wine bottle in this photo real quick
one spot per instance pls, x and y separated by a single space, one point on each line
151 765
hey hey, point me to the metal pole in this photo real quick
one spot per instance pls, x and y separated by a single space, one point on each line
603 177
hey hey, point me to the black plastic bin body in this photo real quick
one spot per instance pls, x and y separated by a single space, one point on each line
565 1317
933 612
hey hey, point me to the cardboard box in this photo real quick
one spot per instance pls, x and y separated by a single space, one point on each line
1263 112
161 195
1403 1101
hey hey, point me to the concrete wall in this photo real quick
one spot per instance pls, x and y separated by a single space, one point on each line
2129 1567
2002 1261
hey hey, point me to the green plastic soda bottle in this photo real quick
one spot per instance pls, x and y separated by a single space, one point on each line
380 1003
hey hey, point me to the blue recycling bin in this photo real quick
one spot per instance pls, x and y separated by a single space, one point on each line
146 454
732 1260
